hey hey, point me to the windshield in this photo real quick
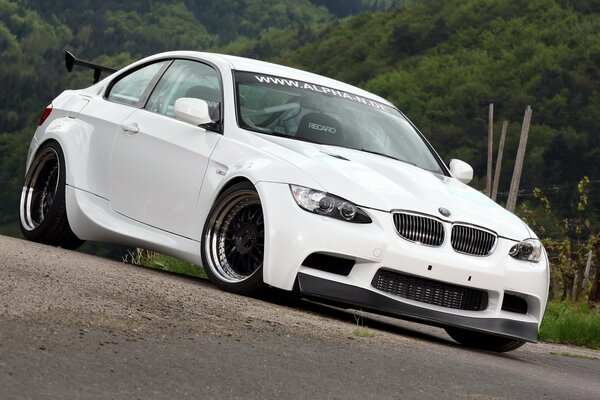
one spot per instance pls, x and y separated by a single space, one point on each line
314 113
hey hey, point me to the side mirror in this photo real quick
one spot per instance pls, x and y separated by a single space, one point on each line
194 111
461 171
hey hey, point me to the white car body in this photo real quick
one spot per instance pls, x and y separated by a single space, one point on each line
154 188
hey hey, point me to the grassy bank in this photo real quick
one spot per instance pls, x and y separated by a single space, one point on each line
156 260
571 324
11 229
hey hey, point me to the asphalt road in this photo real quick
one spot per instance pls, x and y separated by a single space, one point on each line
73 326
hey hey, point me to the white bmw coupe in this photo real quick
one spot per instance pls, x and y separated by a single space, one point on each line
268 175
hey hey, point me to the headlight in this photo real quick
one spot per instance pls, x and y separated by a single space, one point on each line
528 250
329 205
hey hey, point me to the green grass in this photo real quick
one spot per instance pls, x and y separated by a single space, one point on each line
571 324
363 332
11 229
163 262
361 329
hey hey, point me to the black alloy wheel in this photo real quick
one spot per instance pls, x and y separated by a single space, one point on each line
234 240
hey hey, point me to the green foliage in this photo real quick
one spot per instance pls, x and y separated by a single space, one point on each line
163 262
568 241
10 229
567 323
13 149
343 8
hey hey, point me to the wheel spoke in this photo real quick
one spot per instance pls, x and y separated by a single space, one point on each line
249 263
257 254
241 265
253 215
230 251
246 215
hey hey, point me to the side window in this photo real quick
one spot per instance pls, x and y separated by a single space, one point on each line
186 78
130 88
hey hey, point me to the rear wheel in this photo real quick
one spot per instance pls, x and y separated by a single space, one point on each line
483 341
42 209
233 240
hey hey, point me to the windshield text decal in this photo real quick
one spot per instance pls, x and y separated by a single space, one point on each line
319 89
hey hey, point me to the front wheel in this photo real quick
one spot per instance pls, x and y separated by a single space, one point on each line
43 209
483 341
233 240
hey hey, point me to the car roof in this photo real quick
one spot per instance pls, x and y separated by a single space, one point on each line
267 68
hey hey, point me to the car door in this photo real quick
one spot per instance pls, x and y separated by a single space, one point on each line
102 118
158 162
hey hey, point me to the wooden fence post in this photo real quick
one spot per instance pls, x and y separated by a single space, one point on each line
575 291
499 160
595 291
511 204
586 274
490 151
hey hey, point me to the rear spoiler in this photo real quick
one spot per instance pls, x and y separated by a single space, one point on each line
70 61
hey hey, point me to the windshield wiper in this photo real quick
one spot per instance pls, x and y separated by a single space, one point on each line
387 155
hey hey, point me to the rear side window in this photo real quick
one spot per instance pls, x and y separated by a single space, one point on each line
130 88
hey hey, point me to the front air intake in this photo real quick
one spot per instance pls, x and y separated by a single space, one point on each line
514 304
430 291
329 263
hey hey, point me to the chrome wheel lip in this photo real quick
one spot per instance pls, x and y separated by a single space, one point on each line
29 203
217 227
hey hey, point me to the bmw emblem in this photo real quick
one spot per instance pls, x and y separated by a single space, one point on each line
444 211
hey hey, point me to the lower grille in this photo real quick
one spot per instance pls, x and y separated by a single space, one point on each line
430 291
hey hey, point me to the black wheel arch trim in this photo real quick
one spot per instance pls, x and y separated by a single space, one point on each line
310 285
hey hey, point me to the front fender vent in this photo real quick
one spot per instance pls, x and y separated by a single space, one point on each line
420 229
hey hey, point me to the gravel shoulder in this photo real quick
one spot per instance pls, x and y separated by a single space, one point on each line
78 326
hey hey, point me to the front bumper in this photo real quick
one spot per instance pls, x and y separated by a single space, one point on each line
293 234
370 300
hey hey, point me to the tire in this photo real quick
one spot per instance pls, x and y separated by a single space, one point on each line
483 341
233 241
42 208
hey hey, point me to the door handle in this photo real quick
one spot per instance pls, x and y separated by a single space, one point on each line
131 127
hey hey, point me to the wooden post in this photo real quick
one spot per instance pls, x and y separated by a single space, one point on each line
490 150
586 274
574 294
511 204
499 160
594 297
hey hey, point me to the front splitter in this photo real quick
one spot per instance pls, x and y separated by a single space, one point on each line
370 300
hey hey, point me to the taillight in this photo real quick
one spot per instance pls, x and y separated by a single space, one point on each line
45 114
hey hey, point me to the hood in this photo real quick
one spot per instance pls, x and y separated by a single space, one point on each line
373 181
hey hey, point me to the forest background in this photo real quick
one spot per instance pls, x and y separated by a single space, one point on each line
440 61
